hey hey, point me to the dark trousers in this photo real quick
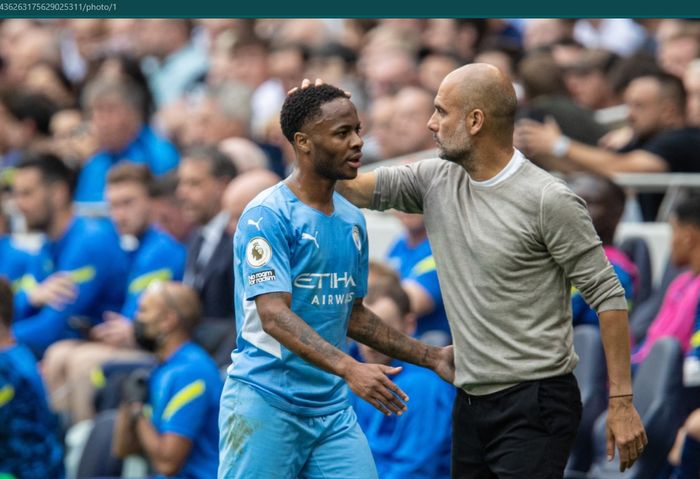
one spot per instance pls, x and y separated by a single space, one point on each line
525 431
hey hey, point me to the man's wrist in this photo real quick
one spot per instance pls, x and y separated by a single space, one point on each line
344 365
561 146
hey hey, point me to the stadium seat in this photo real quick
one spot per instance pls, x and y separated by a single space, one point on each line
637 249
644 313
97 459
658 387
591 375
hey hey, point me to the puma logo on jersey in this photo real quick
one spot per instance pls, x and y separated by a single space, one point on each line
307 236
255 223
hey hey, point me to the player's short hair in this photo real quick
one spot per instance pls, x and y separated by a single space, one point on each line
220 165
51 168
127 172
304 105
688 210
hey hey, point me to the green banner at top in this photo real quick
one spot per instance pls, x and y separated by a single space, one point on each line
355 9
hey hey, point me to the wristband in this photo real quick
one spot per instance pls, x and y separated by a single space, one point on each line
561 146
621 396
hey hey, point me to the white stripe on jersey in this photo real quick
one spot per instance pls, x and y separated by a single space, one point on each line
253 332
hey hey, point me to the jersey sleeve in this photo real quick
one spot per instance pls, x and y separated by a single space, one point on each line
263 254
186 406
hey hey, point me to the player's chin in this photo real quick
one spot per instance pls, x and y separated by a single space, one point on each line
348 172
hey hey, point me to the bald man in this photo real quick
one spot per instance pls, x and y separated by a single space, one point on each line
179 436
241 190
509 240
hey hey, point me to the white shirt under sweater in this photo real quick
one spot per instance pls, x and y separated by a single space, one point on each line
507 251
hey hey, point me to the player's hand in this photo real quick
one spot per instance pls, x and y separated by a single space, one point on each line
306 83
370 382
445 365
624 430
116 330
56 291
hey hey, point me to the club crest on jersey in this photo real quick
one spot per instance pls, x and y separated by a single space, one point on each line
356 237
258 252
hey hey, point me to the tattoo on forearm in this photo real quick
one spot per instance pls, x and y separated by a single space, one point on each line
314 348
368 329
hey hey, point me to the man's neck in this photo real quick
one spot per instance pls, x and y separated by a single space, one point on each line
487 163
6 339
172 344
59 223
312 190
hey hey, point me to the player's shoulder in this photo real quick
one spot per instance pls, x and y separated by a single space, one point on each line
347 210
273 199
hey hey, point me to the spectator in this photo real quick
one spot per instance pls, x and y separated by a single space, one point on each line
412 105
31 448
606 202
204 175
223 112
662 139
116 113
173 64
546 96
81 267
588 80
691 82
677 316
400 445
180 435
675 53
166 208
412 256
24 124
244 154
155 256
13 260
242 190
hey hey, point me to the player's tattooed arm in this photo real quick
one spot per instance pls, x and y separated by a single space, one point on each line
369 381
368 329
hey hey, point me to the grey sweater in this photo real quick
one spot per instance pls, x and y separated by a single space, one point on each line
507 254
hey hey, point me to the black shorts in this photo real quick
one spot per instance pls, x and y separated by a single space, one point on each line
525 431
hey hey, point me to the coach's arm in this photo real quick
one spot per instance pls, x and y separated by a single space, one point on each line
360 190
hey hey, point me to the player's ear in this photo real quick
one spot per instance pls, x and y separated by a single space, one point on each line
302 142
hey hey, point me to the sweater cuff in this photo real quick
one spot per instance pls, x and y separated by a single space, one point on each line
614 303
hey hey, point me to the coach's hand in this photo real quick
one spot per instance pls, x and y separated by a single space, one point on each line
370 382
445 364
306 83
624 430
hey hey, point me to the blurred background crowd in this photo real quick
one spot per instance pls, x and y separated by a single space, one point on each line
129 149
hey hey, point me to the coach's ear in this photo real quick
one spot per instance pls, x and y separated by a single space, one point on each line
302 142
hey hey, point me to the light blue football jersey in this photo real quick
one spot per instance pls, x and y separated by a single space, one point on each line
283 245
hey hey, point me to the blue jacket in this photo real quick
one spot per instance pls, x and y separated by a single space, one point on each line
416 444
158 257
147 148
29 441
89 251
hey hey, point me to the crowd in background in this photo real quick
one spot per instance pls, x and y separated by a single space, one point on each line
133 146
